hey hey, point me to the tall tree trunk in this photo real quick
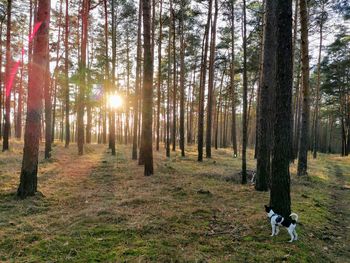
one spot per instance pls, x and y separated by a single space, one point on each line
280 176
182 81
202 84
173 133
159 71
245 95
232 82
296 97
48 111
20 104
28 178
169 81
1 90
137 85
82 72
318 91
304 136
126 135
147 93
56 74
266 93
211 81
110 84
66 77
7 126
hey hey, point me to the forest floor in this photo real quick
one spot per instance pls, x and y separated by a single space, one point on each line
101 208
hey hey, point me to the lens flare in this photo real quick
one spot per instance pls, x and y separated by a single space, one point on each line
115 101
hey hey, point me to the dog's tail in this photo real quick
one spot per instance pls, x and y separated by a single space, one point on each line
294 216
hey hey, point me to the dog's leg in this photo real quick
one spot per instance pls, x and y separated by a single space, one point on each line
295 234
273 229
277 230
290 231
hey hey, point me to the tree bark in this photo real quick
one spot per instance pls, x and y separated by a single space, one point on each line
147 93
159 72
66 76
28 178
48 111
232 79
137 85
211 81
202 84
7 126
266 95
315 142
245 94
82 72
280 176
304 136
182 81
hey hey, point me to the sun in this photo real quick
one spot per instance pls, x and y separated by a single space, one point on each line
115 101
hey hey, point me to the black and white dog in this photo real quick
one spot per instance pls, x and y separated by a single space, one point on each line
276 221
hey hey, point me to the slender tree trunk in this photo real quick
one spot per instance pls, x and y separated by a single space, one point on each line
182 81
28 178
304 136
202 84
111 89
159 72
169 81
48 111
7 126
147 93
127 88
245 94
219 106
297 113
232 79
82 71
211 81
280 179
315 142
1 90
137 85
20 104
173 133
66 77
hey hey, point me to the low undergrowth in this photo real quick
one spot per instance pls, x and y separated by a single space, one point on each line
101 208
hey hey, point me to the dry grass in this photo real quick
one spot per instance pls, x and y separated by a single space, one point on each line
101 208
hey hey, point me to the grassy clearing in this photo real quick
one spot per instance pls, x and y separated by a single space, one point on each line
101 208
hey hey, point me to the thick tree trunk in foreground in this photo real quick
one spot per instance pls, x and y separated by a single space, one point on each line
28 179
266 93
304 135
7 126
280 176
147 93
